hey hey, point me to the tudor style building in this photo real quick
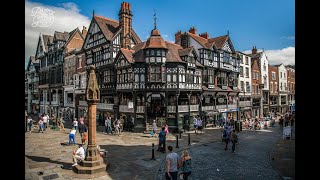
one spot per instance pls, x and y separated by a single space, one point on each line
158 79
104 39
244 85
283 91
33 85
220 74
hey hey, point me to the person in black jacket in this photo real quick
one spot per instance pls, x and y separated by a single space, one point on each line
82 130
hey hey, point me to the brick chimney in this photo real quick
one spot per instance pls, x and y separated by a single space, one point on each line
125 21
204 35
254 50
177 35
84 31
193 30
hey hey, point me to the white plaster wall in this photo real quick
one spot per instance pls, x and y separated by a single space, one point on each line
264 60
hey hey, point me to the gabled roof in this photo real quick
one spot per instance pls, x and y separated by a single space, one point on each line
185 52
202 41
72 33
128 54
255 56
61 36
110 27
219 41
173 53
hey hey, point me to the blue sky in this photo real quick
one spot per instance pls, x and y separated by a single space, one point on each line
268 25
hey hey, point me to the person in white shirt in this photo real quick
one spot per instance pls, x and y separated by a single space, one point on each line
195 124
154 128
45 121
75 124
78 155
48 120
72 136
29 121
199 124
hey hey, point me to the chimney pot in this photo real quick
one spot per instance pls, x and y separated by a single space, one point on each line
193 30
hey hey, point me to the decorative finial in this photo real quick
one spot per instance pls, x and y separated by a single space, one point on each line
155 19
92 12
228 32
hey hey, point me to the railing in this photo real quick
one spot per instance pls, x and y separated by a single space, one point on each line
140 109
207 108
105 106
273 102
54 103
171 109
194 107
68 104
244 103
221 106
232 106
83 103
35 101
124 108
183 108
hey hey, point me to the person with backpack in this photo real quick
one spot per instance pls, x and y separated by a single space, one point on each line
83 132
234 140
226 137
162 141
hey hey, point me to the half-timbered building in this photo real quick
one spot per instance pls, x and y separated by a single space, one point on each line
104 39
33 85
220 75
158 79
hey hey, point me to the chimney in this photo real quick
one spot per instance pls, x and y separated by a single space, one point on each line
84 31
177 35
254 50
204 35
125 21
193 30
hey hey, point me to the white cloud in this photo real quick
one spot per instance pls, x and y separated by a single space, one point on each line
278 56
66 18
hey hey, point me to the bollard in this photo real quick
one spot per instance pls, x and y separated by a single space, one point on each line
180 135
152 158
188 138
177 141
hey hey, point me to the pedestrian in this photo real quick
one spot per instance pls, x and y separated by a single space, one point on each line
172 164
199 124
40 124
48 121
78 155
116 125
75 124
234 140
107 124
154 128
72 138
45 121
186 165
195 125
29 122
166 128
60 123
162 141
82 130
226 137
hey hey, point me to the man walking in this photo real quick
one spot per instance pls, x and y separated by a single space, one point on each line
162 141
172 164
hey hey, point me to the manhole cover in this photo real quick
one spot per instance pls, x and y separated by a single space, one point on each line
51 176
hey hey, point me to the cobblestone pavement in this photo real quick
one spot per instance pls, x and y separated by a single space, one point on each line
130 155
250 161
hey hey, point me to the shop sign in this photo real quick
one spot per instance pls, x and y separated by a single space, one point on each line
222 110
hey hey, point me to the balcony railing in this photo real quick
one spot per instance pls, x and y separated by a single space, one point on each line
140 109
183 108
171 109
232 106
194 107
104 106
221 106
83 103
124 108
35 101
244 103
207 108
54 103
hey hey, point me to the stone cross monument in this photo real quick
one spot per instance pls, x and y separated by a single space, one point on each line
93 163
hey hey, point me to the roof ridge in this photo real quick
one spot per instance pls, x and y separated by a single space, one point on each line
102 17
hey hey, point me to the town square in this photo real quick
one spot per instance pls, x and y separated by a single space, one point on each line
114 94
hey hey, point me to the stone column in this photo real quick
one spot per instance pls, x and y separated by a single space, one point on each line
92 153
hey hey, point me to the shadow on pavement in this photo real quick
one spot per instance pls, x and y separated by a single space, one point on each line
45 159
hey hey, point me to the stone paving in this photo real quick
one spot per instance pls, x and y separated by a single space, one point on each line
130 155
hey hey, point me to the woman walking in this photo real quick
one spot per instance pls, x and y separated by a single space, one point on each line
186 164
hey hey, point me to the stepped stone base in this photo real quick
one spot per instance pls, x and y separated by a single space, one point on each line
91 167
